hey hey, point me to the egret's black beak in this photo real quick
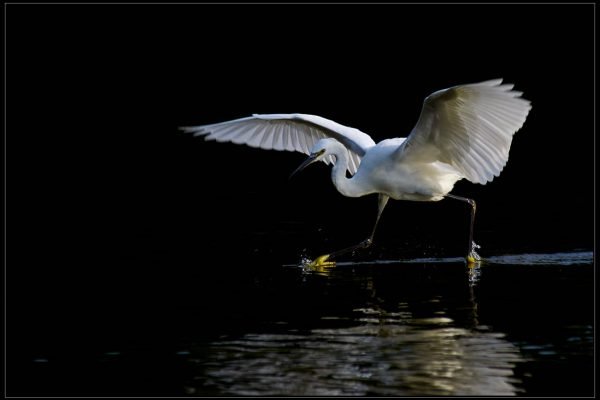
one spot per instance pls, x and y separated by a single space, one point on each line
311 159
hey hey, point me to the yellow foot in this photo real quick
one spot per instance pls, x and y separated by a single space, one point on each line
473 259
321 264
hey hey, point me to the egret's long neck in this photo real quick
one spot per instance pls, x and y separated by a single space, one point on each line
338 173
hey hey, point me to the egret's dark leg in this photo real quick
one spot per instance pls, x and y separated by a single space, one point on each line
471 253
323 260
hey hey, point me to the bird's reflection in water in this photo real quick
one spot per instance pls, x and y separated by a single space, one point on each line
381 356
374 350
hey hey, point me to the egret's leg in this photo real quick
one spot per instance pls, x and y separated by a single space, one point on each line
472 255
324 260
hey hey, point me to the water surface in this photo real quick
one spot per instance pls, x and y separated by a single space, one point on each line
517 325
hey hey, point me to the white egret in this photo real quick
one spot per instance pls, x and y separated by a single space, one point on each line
463 132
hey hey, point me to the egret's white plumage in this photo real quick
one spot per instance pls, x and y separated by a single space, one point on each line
291 132
469 127
463 132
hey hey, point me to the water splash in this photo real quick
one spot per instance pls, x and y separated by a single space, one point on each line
474 273
305 263
476 257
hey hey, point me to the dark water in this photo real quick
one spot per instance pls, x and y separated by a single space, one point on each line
142 261
517 325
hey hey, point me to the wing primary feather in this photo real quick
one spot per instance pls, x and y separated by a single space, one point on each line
468 126
256 138
267 140
277 139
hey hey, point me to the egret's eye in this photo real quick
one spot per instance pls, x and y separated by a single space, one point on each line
317 153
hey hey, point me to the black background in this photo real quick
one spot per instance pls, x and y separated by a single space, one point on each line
107 201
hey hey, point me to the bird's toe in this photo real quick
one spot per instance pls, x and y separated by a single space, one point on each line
321 262
472 259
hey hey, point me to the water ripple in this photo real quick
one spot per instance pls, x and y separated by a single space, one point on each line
377 355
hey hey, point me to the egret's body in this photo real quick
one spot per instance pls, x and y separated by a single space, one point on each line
463 132
380 173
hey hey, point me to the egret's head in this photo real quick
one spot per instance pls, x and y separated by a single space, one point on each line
318 151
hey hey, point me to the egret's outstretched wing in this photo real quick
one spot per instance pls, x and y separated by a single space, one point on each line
469 127
291 132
